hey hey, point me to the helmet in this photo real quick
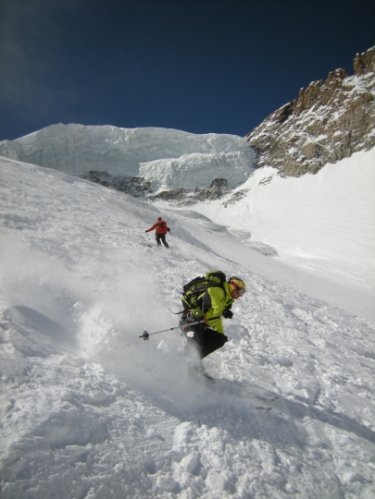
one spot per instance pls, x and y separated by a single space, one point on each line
237 281
238 284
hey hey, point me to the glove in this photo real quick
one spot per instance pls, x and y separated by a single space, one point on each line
146 230
228 314
168 230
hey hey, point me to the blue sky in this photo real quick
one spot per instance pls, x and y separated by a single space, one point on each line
198 65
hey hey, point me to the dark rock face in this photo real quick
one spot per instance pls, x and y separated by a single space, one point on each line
135 186
218 188
328 121
139 187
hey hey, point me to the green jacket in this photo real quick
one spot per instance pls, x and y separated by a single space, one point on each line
215 301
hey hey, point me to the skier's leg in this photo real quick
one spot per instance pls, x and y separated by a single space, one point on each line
193 335
157 237
164 241
210 341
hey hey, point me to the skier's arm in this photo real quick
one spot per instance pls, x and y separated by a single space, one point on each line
151 228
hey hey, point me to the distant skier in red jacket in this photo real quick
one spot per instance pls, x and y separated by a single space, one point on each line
161 228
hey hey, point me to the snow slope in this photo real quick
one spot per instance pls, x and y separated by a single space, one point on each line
90 410
322 225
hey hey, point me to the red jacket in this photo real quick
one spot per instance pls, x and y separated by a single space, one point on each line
160 227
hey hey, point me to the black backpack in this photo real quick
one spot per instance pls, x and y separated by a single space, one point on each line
193 290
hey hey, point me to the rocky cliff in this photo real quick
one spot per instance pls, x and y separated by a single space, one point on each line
327 121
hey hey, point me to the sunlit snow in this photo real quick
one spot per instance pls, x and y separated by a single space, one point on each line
322 225
90 410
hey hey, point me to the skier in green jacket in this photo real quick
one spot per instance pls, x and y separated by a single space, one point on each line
209 307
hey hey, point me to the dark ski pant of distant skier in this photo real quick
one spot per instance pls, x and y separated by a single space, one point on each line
162 238
206 340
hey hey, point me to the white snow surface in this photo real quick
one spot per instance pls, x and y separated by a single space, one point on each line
322 224
90 410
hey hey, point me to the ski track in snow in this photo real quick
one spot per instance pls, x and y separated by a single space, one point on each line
90 410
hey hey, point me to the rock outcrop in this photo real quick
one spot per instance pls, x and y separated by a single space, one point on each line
182 197
329 120
135 186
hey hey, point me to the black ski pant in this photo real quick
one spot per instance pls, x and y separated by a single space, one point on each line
161 237
206 339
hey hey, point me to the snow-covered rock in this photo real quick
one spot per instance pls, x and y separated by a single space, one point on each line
328 121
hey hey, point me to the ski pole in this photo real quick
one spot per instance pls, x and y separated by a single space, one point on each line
146 335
